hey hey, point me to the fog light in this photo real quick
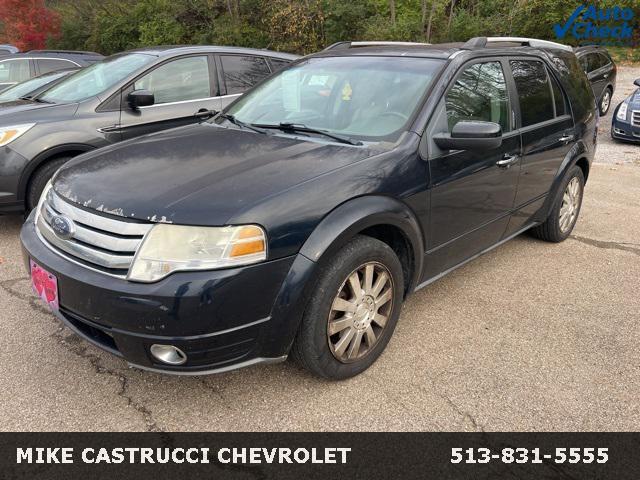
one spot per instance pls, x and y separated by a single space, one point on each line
618 131
168 354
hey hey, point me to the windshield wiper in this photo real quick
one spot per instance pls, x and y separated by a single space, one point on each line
301 127
239 123
34 99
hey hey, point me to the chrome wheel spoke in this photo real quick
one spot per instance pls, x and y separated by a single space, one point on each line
384 298
368 278
371 336
342 305
340 324
344 341
380 319
355 345
356 288
380 283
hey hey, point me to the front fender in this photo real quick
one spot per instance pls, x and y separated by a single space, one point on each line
356 215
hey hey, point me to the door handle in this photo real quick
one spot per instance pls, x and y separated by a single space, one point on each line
565 138
507 160
204 113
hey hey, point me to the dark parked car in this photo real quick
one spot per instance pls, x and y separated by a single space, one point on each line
298 219
29 89
6 49
601 71
19 67
124 96
625 124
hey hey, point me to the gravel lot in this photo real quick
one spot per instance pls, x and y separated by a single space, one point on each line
531 336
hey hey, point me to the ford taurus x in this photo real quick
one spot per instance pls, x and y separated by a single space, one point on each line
297 220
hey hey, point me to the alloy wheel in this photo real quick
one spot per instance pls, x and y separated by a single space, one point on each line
360 312
570 205
606 100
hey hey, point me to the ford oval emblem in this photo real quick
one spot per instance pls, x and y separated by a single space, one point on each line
63 227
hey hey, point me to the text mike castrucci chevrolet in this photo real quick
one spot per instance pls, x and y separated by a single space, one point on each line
297 220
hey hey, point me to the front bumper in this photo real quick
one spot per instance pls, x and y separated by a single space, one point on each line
12 166
625 131
221 319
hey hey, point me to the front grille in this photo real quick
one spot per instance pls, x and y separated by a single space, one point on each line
635 118
98 242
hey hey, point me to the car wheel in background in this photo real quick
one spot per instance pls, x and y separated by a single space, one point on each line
565 210
353 310
605 102
39 180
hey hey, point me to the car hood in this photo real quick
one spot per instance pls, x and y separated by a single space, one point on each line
200 175
634 100
17 106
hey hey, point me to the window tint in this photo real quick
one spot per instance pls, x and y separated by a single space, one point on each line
53 64
604 60
177 81
558 97
242 73
595 61
14 71
584 63
532 83
278 64
479 93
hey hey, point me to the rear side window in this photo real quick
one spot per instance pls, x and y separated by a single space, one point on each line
53 64
14 71
534 91
558 97
479 93
243 72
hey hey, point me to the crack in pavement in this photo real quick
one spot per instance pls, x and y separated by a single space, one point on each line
624 246
72 343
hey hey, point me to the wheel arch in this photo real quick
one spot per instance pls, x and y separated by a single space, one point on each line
384 218
71 150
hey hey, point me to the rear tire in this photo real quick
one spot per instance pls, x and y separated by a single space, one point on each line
352 312
39 180
605 102
566 209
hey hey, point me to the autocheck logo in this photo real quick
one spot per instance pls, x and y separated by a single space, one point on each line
588 24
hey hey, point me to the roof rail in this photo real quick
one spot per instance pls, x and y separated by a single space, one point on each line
483 42
71 52
345 45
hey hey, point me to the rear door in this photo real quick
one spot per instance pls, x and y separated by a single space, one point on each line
238 73
598 70
185 90
472 191
547 131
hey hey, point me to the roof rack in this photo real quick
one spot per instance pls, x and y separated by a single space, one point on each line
70 52
346 45
483 42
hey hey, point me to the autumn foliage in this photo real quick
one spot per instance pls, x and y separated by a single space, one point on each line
28 24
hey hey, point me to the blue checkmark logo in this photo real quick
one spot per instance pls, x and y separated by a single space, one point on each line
561 30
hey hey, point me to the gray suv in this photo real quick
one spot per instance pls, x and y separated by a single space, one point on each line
122 97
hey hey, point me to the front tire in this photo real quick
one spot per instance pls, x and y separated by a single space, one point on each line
353 311
565 210
39 180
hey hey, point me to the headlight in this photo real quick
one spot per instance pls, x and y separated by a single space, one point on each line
9 134
622 112
171 248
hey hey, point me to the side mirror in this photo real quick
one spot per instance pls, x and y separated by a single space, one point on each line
140 98
637 82
471 135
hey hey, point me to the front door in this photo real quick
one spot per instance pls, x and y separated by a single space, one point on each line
185 92
472 192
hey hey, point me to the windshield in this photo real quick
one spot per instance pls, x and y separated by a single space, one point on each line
97 78
25 88
368 98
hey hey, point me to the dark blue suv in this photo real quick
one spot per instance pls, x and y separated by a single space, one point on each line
297 220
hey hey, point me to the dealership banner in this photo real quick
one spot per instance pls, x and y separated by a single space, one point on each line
320 456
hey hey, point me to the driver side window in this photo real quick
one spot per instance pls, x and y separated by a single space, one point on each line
177 81
479 93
